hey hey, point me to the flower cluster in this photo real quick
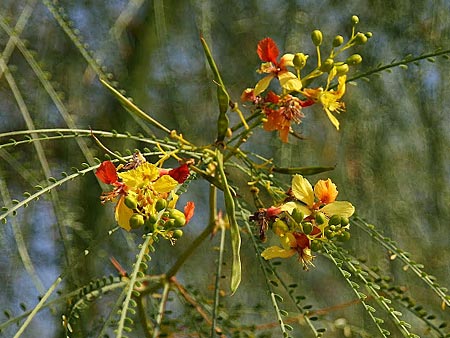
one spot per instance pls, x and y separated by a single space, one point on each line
306 219
146 196
281 110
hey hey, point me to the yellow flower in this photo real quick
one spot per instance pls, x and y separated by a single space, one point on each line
325 192
330 99
145 184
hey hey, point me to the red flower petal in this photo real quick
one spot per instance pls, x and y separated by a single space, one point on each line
189 211
268 50
180 174
107 173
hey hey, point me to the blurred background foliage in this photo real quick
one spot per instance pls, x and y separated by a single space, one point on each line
391 154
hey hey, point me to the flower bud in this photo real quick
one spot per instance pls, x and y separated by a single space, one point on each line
178 217
307 227
279 227
316 245
316 37
320 218
160 204
355 20
334 220
354 59
360 39
177 234
136 221
297 215
368 35
342 69
130 202
329 234
150 225
344 221
299 60
344 236
338 40
327 65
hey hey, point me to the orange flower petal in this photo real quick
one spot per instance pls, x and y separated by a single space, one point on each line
107 173
189 210
267 50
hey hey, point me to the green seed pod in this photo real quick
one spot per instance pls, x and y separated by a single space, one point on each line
316 37
177 234
338 40
354 59
130 202
279 227
327 65
160 204
299 60
307 227
360 39
297 215
320 218
342 69
334 220
178 217
344 221
355 20
136 221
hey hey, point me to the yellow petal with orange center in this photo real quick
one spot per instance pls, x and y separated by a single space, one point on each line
341 208
325 191
302 190
123 214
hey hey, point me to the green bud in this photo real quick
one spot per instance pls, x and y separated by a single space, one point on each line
360 39
160 204
152 218
300 60
342 69
297 215
279 227
354 59
334 220
178 217
368 35
316 37
130 202
320 218
177 233
338 40
344 236
170 223
355 20
316 245
327 65
344 221
136 221
329 234
307 227
150 225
